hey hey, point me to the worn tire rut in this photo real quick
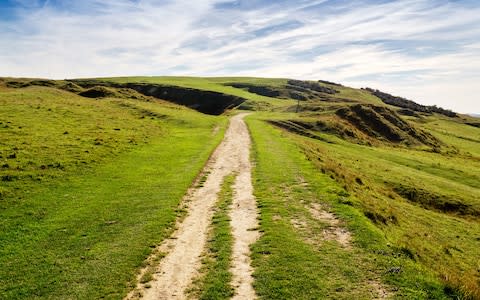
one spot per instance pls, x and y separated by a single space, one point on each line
184 248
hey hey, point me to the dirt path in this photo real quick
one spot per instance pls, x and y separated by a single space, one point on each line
184 249
244 223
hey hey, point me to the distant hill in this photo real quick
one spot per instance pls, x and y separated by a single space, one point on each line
409 104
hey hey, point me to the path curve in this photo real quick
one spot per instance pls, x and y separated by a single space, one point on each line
184 249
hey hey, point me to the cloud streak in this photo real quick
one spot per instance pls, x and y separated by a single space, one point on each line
427 50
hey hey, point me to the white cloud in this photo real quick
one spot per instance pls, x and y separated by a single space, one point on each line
426 50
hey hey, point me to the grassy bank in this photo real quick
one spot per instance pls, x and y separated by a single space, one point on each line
89 186
425 203
294 259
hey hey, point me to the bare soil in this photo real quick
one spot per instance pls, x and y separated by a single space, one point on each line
180 266
380 290
335 231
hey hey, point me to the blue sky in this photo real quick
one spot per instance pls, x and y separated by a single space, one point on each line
426 50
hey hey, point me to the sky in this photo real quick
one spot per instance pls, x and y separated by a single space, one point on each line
424 50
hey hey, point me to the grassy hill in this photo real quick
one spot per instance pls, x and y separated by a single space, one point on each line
88 186
93 171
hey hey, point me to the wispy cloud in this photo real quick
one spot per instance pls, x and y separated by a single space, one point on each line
423 49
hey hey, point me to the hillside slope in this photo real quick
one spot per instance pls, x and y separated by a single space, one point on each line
82 161
88 186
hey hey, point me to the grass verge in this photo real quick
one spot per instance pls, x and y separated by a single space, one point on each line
215 281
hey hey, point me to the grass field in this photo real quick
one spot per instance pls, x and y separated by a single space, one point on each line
89 186
94 184
465 138
426 204
444 240
293 260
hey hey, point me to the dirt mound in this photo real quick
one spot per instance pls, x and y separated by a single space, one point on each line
384 124
98 92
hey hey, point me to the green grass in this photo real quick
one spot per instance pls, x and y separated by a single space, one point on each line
78 224
293 263
254 101
89 186
464 137
216 84
215 281
51 131
441 241
361 96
